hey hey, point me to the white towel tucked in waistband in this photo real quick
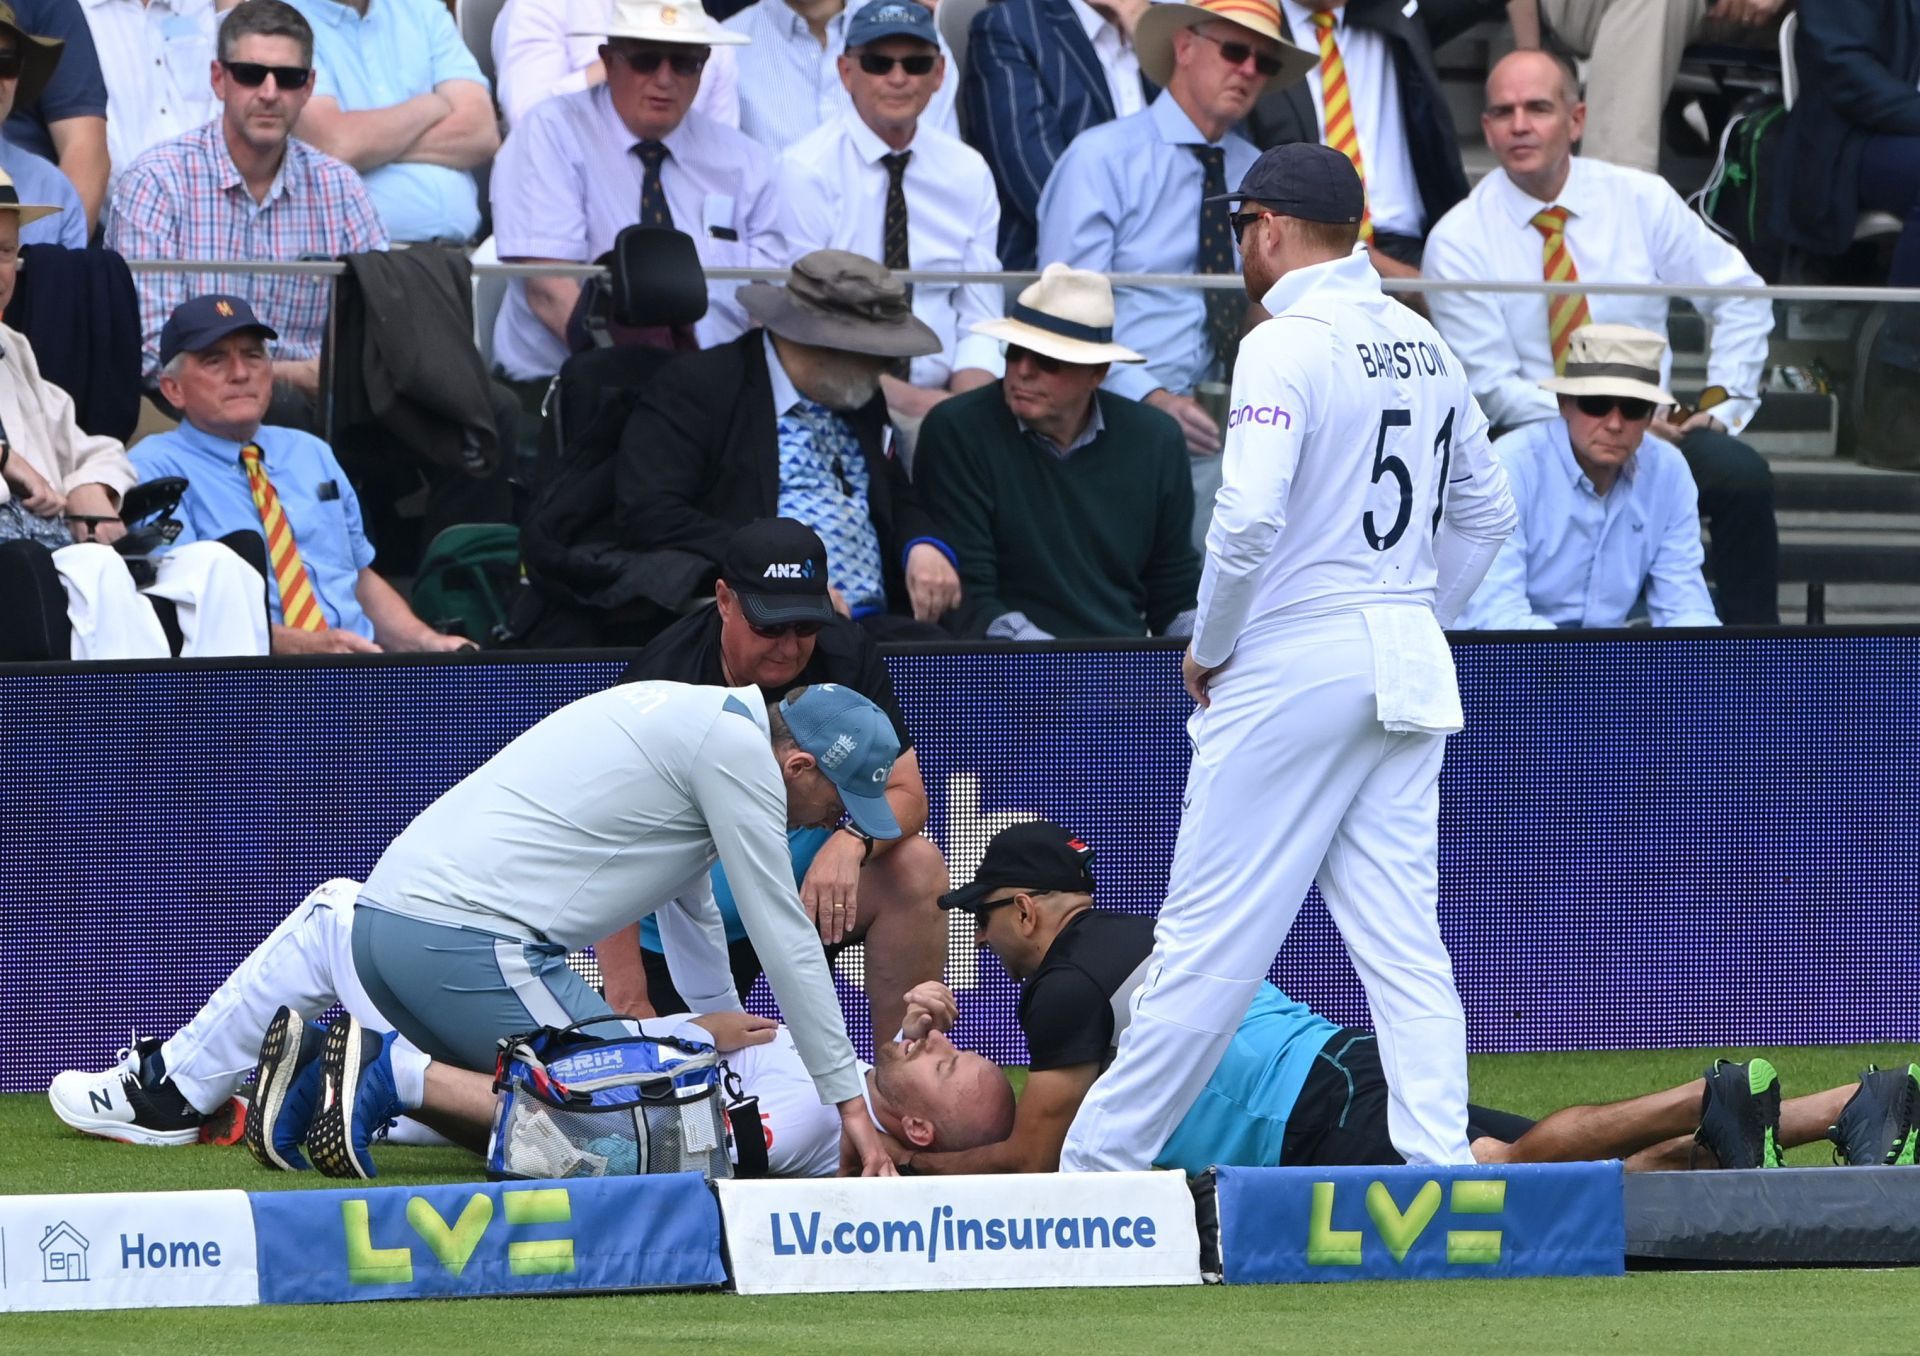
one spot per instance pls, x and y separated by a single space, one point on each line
1414 687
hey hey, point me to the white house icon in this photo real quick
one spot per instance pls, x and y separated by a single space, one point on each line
63 1254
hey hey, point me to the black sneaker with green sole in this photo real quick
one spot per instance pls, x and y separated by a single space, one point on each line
1740 1114
1877 1127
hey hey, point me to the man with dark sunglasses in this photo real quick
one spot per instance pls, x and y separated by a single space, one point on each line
1069 506
1608 512
398 96
580 167
880 181
773 625
27 62
1127 198
244 183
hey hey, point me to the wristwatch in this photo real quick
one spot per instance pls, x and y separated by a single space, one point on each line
865 838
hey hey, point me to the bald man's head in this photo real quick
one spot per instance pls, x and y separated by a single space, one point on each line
945 1099
1532 120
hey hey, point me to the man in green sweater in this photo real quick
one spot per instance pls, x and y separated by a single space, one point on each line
1070 508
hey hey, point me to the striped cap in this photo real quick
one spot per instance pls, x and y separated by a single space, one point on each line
1153 36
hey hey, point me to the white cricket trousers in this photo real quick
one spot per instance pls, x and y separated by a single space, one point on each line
1293 780
306 963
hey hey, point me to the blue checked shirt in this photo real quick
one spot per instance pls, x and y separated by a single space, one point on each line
184 199
824 483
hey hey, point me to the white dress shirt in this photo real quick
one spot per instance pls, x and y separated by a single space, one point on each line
790 83
1582 559
833 195
155 58
1393 195
1624 226
1117 58
567 181
543 47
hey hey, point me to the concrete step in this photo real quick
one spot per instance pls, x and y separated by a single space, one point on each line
1842 556
1852 604
1844 487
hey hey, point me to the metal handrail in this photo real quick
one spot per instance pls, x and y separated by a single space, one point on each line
330 268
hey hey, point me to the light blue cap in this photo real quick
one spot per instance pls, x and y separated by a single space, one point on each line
891 19
853 742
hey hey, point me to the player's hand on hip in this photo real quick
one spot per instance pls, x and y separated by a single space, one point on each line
930 1007
1196 425
737 1030
830 893
933 585
861 1152
1198 677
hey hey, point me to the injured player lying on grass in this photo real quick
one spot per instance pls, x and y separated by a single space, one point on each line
1296 1089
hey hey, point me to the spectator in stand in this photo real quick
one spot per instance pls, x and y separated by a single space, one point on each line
1632 50
581 166
1144 194
279 482
154 56
66 121
1607 510
1546 213
1068 506
1375 70
60 494
1853 138
26 64
546 47
878 182
397 95
790 80
789 422
244 187
1039 73
776 628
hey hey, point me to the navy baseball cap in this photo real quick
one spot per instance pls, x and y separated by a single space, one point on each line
1303 179
854 744
201 322
891 19
777 568
1039 857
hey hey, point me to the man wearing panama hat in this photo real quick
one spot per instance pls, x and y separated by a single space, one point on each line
1068 505
26 64
580 166
1608 512
1127 198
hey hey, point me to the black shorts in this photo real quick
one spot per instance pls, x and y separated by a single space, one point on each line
1340 1119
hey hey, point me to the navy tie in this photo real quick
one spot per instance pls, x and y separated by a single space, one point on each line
653 199
1225 306
893 234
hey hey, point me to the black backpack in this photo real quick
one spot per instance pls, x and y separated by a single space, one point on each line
1737 197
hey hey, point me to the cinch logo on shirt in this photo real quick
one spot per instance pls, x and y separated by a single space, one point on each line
785 570
1259 414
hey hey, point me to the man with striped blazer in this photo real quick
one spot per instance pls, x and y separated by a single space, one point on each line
1039 73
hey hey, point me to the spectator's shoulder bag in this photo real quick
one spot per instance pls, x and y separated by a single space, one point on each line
1736 197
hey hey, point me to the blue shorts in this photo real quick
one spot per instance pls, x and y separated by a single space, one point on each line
803 844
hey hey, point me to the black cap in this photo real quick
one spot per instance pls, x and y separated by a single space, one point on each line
778 567
1303 179
1037 856
201 322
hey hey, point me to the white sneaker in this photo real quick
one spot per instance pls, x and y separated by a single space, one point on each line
118 1104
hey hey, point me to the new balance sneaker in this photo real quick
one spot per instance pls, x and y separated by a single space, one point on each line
286 1090
1740 1114
133 1102
1877 1126
357 1100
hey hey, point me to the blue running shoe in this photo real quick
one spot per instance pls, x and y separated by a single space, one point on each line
286 1090
357 1100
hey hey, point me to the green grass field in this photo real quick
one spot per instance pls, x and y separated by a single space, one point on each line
1799 1312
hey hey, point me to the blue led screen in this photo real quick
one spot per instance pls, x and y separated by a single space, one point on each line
1644 842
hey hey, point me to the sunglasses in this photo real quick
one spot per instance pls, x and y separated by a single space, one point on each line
781 630
875 64
1241 220
252 75
1236 54
646 63
11 62
1600 406
1051 366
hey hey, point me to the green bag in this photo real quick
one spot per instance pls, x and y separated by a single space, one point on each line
1735 199
468 578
